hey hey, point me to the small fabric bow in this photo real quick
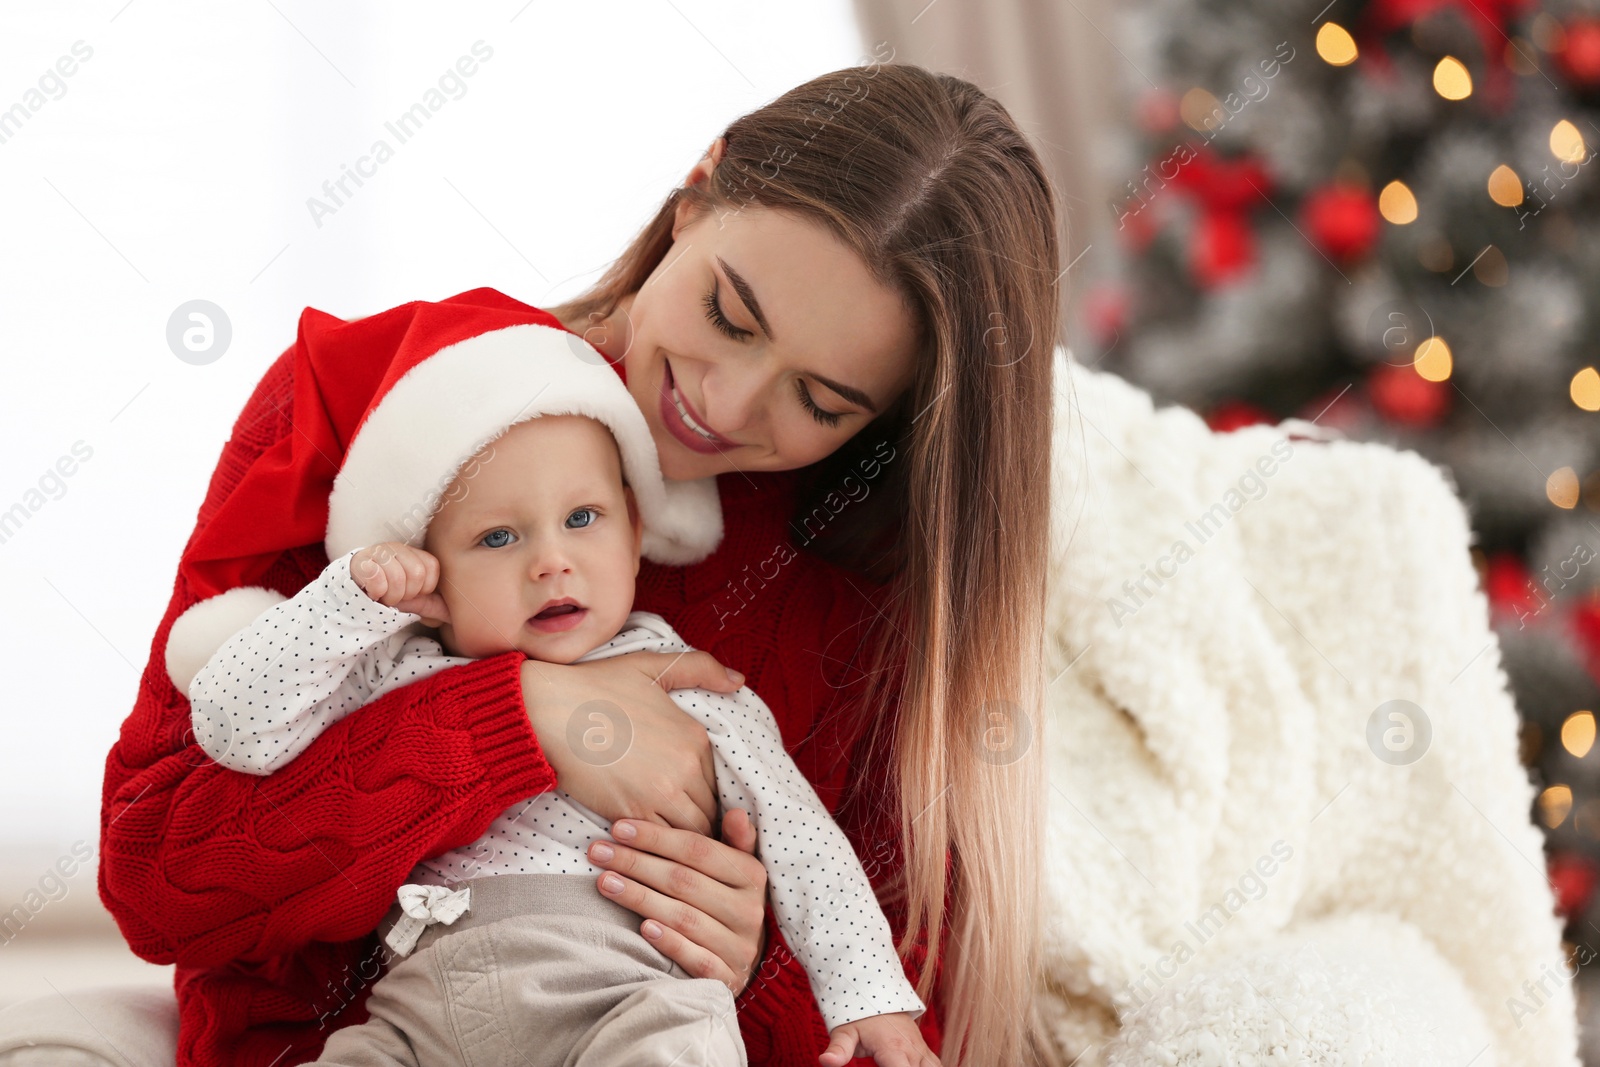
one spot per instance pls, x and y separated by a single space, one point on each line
424 905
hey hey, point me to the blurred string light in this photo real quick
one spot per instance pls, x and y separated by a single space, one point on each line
1562 488
1519 56
1567 143
1436 254
1451 79
1577 733
1335 45
1554 803
1586 820
1547 32
1200 110
1432 360
1505 188
1397 204
1491 268
1585 389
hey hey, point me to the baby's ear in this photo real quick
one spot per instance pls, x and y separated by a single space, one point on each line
638 525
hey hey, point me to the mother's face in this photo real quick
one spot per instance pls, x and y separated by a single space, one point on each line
760 342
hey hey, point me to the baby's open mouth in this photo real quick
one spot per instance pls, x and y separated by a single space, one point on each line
557 616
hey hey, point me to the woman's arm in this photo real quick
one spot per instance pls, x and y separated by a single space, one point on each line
202 865
275 686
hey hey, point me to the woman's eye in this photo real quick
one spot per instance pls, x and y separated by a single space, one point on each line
718 319
827 418
580 518
496 539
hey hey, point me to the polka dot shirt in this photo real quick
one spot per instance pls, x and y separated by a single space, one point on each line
309 661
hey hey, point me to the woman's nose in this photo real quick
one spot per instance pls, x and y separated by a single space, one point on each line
730 398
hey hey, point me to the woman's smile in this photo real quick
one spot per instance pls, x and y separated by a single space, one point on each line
683 422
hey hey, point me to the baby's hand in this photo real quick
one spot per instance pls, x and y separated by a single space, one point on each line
400 576
891 1040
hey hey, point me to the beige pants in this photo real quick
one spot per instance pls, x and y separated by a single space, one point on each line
541 970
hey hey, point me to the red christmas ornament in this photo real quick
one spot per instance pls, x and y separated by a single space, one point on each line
1580 58
1585 620
1226 190
1331 410
1573 876
1230 415
1342 220
1509 586
1224 249
1156 110
1402 395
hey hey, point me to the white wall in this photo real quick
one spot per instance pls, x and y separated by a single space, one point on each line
176 165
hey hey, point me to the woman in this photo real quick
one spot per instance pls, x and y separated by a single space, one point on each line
847 315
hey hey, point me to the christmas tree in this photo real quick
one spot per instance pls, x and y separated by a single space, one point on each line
1386 217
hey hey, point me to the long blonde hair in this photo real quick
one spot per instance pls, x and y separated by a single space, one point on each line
930 181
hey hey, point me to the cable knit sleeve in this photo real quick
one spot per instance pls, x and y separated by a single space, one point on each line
304 664
203 866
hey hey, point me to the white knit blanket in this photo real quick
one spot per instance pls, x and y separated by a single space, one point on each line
1233 874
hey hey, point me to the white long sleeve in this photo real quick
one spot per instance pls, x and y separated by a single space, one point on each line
821 897
303 665
311 660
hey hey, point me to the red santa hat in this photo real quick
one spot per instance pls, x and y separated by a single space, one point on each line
384 412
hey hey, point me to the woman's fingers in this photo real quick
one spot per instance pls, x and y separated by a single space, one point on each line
723 864
698 962
695 670
693 925
711 894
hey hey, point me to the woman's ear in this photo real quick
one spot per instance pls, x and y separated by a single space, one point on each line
698 173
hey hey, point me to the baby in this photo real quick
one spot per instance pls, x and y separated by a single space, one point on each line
506 941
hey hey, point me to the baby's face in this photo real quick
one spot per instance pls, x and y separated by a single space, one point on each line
539 516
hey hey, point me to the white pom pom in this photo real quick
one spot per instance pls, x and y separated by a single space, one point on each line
206 626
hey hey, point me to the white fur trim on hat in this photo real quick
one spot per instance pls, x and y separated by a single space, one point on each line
206 626
439 413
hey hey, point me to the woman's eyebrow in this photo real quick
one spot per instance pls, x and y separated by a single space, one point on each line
748 296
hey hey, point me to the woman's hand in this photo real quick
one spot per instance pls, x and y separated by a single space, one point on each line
618 743
704 902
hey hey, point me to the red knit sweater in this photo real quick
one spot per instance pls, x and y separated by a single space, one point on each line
265 891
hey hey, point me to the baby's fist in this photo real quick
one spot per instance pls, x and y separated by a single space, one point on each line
402 577
891 1040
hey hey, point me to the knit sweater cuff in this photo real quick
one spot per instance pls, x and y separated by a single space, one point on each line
489 693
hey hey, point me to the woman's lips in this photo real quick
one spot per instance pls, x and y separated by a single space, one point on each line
559 622
674 423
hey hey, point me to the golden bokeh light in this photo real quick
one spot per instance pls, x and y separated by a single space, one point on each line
1577 733
1519 56
1562 488
1335 45
1432 360
1200 110
1436 254
1586 389
1491 267
1505 188
1554 803
1451 79
1567 143
1397 204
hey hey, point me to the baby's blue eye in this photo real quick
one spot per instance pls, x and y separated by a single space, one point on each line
496 538
585 522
